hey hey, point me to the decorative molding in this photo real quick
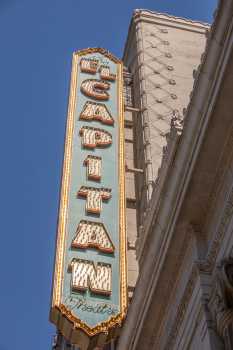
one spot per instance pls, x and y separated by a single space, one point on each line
221 301
113 322
210 32
182 308
138 12
185 251
208 264
176 123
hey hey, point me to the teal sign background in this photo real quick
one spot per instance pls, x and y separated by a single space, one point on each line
92 314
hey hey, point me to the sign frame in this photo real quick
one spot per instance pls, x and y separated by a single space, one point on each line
66 322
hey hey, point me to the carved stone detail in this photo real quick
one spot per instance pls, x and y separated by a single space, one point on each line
221 301
172 138
177 122
207 266
182 308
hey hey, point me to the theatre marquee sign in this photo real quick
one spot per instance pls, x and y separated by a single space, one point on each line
90 290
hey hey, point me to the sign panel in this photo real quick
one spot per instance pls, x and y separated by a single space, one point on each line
90 288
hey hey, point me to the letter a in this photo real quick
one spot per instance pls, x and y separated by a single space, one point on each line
96 111
92 235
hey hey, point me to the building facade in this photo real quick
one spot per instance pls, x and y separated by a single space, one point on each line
179 182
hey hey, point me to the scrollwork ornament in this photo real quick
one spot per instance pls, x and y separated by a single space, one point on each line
177 122
221 301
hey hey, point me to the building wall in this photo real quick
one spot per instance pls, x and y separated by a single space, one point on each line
161 52
183 299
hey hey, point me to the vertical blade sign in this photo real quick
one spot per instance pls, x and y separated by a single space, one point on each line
89 298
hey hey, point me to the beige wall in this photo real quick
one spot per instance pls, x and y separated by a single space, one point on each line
161 55
161 52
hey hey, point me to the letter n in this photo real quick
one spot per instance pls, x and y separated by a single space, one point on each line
86 276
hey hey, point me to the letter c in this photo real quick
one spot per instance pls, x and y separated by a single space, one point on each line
95 89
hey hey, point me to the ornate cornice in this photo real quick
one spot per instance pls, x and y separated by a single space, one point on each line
210 34
139 12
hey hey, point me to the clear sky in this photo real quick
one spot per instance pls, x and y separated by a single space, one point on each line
37 40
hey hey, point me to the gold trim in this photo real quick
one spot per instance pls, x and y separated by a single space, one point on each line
122 212
100 328
91 331
61 230
99 50
63 210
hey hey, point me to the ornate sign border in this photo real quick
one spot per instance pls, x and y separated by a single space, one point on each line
59 313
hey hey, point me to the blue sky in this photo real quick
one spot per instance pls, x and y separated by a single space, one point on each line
37 40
